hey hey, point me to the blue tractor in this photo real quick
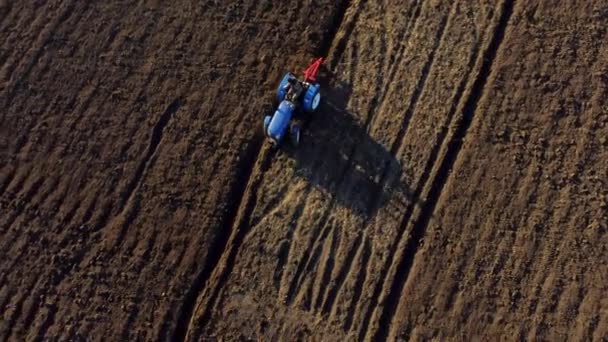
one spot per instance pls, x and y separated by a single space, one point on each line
294 96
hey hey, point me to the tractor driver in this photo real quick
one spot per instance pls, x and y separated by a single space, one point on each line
293 88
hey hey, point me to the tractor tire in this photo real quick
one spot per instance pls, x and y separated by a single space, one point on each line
312 98
295 134
281 90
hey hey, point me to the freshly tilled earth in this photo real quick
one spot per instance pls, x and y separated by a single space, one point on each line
453 184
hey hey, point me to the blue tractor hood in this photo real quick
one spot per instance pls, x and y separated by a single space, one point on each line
280 121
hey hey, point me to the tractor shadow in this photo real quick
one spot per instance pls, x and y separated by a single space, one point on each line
338 156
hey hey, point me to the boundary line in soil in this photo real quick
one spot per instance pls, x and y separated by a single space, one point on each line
155 138
238 198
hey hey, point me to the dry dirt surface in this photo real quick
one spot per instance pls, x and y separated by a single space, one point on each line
453 184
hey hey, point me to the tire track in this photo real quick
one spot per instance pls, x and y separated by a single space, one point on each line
331 293
425 72
312 243
398 57
453 149
283 255
307 262
418 90
420 85
287 255
395 60
311 255
423 179
364 256
325 271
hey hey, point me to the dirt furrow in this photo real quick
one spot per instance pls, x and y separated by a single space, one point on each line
20 299
23 200
46 323
229 248
5 9
46 34
8 177
34 18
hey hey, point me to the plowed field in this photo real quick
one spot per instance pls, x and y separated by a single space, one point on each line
453 184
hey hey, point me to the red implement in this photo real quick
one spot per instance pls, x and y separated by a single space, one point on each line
310 73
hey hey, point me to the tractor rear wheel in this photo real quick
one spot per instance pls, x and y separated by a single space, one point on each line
312 98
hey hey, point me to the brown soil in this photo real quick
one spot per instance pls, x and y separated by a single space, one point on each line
453 185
